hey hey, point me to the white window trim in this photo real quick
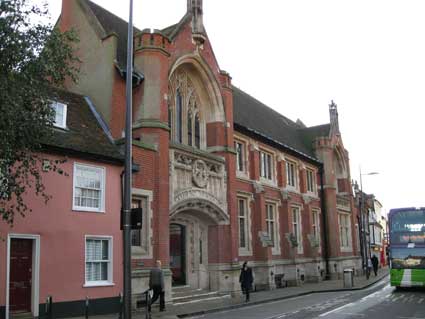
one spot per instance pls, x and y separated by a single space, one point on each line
246 251
276 248
263 180
139 252
35 273
300 247
243 174
318 228
100 283
103 183
348 248
65 109
314 176
294 188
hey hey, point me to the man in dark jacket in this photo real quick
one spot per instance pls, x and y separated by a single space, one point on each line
246 280
156 282
375 263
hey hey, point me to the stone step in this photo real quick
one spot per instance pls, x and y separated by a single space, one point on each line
21 315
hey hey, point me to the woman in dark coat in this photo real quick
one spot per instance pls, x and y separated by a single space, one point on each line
246 280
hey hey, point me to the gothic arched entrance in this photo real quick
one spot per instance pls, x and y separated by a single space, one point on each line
193 246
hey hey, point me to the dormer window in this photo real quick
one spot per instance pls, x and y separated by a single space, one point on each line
60 114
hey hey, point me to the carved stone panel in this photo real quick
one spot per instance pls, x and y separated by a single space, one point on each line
198 182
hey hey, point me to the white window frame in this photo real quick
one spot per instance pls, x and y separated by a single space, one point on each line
297 225
276 228
244 157
265 178
247 250
65 107
315 217
345 230
294 165
102 169
312 181
145 250
99 283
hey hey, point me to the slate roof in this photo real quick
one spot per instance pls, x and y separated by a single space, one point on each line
113 24
84 134
256 117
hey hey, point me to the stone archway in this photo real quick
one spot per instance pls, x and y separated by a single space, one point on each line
189 266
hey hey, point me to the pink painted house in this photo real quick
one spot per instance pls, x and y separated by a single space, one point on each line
71 247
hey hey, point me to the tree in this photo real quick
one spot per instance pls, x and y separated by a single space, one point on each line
34 57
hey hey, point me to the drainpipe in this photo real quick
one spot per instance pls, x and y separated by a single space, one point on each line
324 222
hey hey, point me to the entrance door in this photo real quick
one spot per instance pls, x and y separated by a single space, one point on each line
20 275
177 254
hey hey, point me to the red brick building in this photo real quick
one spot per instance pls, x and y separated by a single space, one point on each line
223 178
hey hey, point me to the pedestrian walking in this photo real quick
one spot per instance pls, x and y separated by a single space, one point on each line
246 279
375 263
156 283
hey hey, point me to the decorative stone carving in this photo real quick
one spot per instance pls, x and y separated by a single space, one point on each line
307 199
285 194
292 240
314 242
258 187
198 183
200 173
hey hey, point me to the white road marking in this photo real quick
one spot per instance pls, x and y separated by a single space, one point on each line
336 309
200 300
420 300
406 281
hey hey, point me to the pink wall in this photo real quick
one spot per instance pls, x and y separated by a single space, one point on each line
62 236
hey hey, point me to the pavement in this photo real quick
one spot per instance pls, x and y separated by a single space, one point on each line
191 309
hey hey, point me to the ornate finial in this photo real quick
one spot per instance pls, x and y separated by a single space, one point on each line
333 113
194 7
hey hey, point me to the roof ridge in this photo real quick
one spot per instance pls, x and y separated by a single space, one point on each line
268 107
315 126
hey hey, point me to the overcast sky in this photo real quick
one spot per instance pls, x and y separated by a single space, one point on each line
296 56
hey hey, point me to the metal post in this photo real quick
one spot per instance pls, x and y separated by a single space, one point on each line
364 248
121 304
49 307
86 312
128 167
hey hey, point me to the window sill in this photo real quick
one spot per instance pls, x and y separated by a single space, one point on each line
346 249
87 210
242 175
276 252
98 284
244 252
268 182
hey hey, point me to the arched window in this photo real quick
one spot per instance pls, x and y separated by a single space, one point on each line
197 132
189 129
185 117
179 116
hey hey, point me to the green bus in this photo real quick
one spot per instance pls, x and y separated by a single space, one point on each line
407 247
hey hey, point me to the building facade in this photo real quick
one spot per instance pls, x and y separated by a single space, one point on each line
69 248
223 178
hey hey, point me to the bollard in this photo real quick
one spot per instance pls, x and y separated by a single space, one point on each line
87 308
121 306
49 307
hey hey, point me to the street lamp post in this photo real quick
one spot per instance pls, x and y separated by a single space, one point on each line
364 222
128 170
